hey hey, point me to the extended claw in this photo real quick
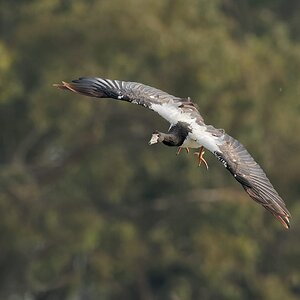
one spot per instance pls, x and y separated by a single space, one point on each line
179 150
201 158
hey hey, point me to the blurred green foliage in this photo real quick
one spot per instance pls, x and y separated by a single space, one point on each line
87 209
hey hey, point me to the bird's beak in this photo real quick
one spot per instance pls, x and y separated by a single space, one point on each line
154 139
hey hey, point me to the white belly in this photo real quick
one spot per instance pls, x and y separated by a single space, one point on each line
202 138
190 143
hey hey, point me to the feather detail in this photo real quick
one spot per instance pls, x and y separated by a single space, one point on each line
237 160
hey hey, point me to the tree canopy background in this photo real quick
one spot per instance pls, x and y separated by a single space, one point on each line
87 209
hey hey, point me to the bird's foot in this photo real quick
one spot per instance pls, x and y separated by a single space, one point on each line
201 158
179 150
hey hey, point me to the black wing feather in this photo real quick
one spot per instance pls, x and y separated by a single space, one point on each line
250 175
132 92
121 90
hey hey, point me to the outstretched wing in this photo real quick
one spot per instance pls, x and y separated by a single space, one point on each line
229 151
168 106
237 160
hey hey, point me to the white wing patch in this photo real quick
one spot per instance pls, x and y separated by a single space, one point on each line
198 136
169 111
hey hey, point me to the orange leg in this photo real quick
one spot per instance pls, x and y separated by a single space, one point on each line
201 158
179 150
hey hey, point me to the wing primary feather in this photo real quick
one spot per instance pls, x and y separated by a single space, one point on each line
137 93
237 160
120 90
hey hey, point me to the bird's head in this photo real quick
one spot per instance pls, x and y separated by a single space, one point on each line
157 137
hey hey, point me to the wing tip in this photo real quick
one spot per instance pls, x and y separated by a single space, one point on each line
284 220
65 86
59 85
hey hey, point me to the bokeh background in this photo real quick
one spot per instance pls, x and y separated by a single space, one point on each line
87 209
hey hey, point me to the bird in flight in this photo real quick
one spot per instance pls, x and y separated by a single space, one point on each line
188 130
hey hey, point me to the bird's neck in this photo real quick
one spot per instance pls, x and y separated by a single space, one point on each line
171 139
176 136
